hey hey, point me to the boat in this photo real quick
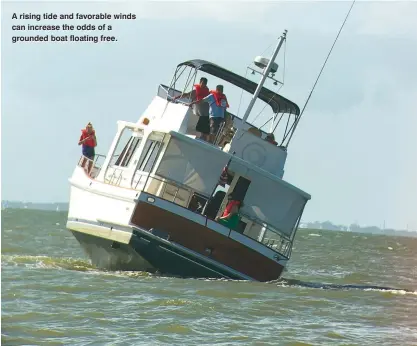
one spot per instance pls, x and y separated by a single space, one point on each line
151 203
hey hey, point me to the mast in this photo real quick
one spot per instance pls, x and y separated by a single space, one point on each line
265 74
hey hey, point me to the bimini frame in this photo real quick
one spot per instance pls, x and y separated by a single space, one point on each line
281 107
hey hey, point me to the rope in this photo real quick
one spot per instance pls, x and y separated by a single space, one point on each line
268 47
266 104
318 77
241 94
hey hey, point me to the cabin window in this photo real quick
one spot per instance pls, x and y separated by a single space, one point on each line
149 155
128 143
197 203
127 153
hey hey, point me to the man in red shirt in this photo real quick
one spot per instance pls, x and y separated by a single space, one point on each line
200 109
217 101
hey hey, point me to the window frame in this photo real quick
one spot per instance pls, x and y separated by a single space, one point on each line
152 148
124 159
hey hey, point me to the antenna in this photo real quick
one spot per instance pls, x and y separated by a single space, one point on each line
297 119
268 66
262 63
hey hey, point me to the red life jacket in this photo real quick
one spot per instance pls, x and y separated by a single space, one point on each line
89 142
200 92
219 97
229 207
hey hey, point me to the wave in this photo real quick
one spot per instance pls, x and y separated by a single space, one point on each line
319 285
78 264
48 262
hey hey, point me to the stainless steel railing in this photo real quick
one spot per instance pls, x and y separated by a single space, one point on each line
163 188
92 167
267 235
181 195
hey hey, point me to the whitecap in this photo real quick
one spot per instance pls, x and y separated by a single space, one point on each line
394 291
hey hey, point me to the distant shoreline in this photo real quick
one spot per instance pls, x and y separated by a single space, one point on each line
36 206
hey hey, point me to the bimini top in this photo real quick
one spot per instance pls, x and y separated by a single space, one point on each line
278 103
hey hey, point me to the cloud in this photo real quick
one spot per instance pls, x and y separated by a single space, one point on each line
318 17
387 18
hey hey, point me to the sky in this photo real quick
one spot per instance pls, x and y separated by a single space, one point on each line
355 150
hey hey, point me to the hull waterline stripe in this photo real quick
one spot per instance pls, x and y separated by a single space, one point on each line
190 260
100 231
195 254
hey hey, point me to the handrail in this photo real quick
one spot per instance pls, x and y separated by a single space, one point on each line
266 225
168 92
268 235
170 182
95 168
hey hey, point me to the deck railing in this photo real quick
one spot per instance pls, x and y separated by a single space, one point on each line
92 167
181 195
163 188
267 235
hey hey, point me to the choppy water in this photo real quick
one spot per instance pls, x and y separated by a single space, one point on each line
340 289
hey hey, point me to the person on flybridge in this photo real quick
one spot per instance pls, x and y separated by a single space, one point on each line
217 101
202 109
88 141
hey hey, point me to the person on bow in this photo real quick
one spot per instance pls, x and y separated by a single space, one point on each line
217 102
200 109
88 141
